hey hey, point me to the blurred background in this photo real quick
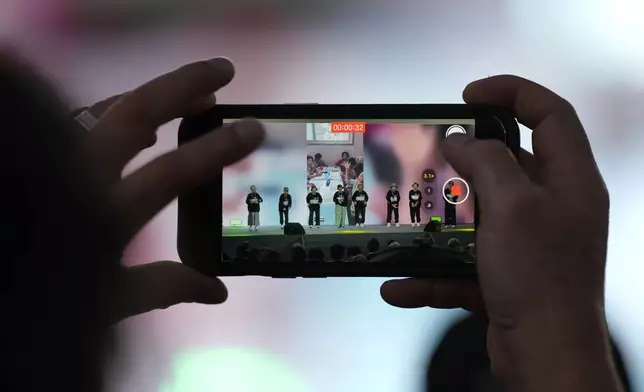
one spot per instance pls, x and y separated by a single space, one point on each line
336 334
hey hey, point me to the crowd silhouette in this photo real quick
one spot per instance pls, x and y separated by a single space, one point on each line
297 252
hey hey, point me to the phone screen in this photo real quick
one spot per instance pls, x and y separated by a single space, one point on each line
326 182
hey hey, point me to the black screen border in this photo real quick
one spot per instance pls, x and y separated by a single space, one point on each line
199 212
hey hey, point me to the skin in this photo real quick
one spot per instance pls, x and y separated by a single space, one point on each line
123 131
544 297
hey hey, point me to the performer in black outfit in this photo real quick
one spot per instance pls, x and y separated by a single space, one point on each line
393 202
415 200
450 209
313 200
284 206
340 200
252 201
360 199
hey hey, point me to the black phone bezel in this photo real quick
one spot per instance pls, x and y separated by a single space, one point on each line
199 212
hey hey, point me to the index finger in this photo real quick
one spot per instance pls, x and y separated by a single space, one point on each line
559 140
129 124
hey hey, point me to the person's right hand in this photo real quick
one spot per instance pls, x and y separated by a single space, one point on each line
540 245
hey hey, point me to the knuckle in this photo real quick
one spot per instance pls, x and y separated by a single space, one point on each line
565 106
565 110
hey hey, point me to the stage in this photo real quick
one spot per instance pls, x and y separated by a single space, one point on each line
273 236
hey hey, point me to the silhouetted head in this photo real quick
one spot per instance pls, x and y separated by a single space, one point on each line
316 254
353 251
298 253
359 259
253 188
286 190
454 243
415 186
270 256
337 252
314 190
345 155
373 245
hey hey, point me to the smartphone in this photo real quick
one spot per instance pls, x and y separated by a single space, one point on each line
339 191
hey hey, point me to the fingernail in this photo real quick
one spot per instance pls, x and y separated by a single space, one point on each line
250 132
213 294
514 158
223 66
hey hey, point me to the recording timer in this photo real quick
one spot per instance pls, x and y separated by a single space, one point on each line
348 127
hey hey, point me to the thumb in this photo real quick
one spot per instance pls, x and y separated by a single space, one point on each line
163 284
488 164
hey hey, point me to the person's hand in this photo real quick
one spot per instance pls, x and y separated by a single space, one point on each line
541 242
126 125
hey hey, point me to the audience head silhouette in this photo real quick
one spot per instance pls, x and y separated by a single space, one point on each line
373 245
353 251
337 252
454 243
316 254
298 253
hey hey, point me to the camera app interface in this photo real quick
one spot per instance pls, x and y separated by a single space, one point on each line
345 190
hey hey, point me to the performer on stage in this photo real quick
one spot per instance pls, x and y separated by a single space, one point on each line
340 200
360 199
284 206
313 200
450 209
393 202
252 201
415 200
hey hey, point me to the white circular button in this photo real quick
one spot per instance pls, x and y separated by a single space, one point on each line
455 129
464 197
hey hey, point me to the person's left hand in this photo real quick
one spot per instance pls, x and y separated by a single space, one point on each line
126 125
